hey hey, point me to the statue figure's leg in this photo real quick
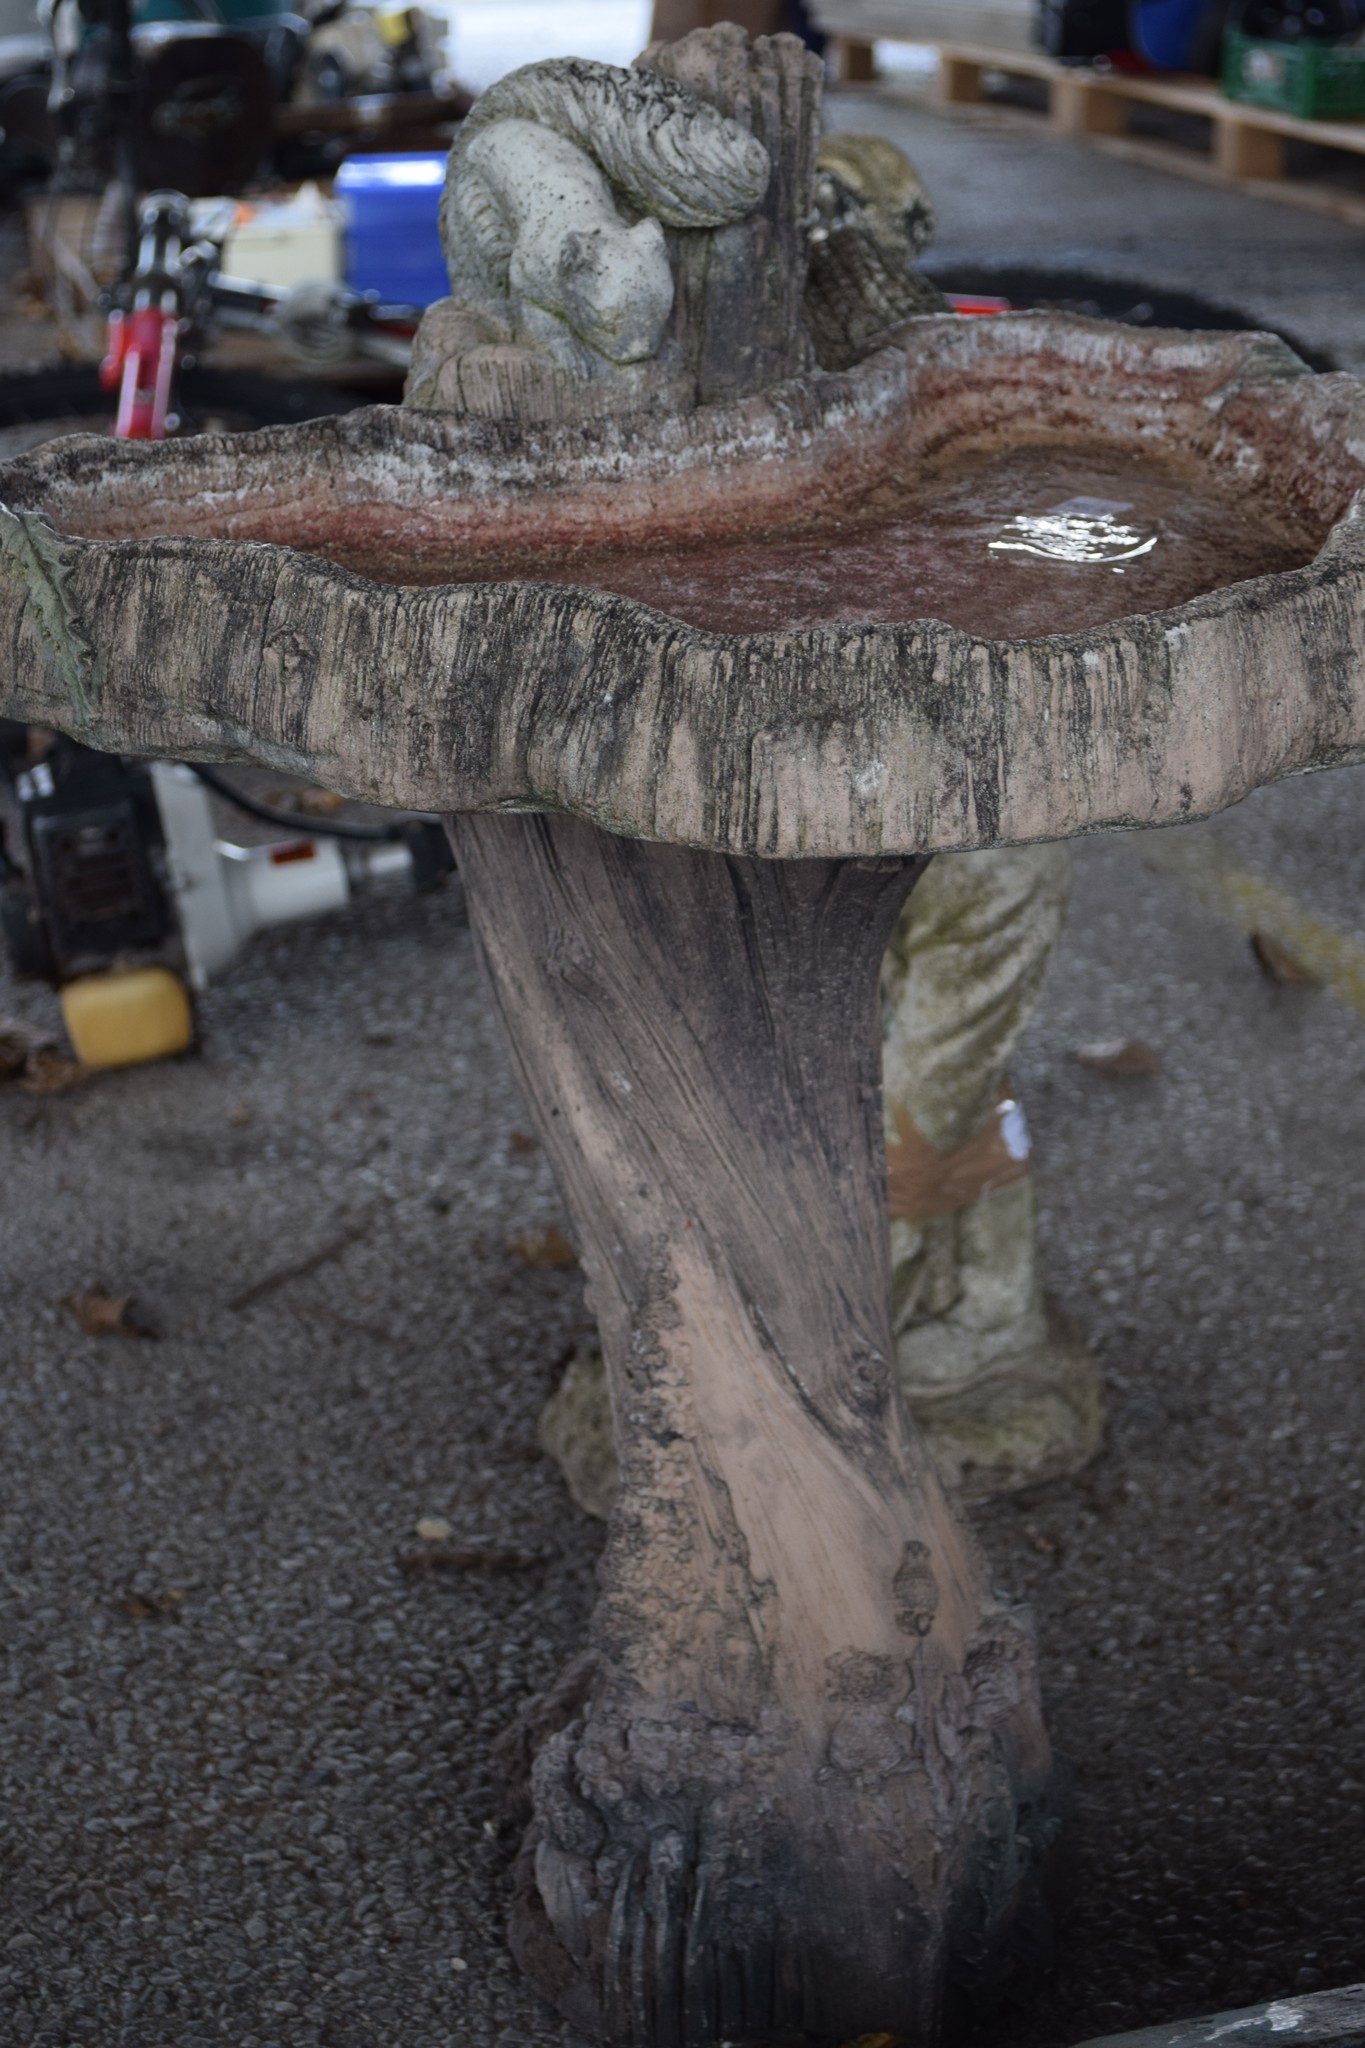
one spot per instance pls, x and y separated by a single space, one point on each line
1002 1386
807 1779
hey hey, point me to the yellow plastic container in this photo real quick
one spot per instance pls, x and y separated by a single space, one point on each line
119 1020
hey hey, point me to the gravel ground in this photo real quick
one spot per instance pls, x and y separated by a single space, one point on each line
1199 1589
246 1784
245 1766
246 1763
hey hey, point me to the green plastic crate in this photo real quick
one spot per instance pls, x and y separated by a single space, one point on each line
1317 81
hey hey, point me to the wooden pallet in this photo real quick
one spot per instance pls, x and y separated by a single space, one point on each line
985 24
1246 144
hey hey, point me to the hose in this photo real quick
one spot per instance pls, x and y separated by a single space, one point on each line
324 828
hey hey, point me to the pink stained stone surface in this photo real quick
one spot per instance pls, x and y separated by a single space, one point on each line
1011 546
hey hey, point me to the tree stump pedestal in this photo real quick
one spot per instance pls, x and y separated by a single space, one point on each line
794 1791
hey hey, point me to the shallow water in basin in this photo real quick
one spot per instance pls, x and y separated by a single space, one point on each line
1033 542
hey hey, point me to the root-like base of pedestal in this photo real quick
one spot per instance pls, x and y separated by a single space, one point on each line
707 1913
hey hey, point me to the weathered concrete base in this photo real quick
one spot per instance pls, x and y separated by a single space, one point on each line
999 1381
1039 1416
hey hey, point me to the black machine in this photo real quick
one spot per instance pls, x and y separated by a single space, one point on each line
190 105
182 105
1184 35
122 896
1082 29
96 886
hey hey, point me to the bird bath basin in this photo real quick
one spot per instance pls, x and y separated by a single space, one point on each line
1001 547
700 690
792 668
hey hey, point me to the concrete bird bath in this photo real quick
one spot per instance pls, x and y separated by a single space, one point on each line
799 1788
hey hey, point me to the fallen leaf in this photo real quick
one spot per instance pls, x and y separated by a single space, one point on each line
1124 1058
874 2041
1279 965
922 1182
472 1560
143 1606
433 1529
50 1073
104 1315
37 1064
14 1055
544 1248
522 1141
241 1116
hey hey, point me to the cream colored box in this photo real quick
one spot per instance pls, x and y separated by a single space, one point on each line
286 241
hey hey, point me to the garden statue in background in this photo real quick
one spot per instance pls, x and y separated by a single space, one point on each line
872 219
1001 1385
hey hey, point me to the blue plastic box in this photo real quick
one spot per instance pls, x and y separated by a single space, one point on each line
392 234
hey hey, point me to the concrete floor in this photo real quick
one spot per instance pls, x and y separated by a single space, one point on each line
247 1793
1007 192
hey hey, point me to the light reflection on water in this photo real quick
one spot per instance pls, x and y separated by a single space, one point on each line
1079 530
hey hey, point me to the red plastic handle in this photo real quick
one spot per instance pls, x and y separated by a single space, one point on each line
974 302
140 364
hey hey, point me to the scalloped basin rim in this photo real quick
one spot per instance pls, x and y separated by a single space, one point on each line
437 484
878 739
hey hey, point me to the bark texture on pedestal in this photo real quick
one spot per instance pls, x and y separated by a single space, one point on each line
843 740
738 290
808 1776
